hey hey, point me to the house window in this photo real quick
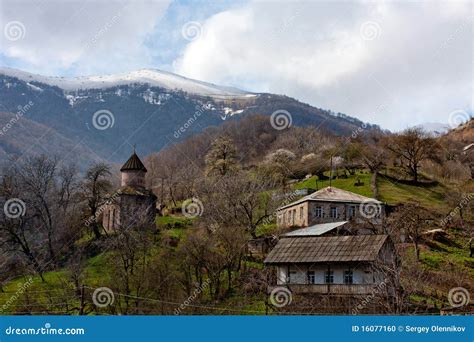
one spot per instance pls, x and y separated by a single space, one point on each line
311 277
348 277
291 277
329 277
319 211
351 211
334 212
301 213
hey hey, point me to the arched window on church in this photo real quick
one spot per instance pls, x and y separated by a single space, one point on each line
111 219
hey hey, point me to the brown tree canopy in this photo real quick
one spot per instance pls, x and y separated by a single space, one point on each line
412 147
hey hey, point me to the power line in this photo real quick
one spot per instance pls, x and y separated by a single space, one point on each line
182 303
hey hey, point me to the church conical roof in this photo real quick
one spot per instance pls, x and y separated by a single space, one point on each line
133 163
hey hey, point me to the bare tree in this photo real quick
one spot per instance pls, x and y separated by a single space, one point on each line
410 220
412 147
38 178
45 200
95 187
240 199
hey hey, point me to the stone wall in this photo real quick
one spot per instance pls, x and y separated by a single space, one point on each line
315 212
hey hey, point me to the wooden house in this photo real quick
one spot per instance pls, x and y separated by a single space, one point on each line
341 265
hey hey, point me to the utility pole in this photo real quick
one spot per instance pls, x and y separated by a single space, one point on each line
330 174
162 190
81 310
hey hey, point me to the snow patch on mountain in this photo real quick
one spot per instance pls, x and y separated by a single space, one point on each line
153 77
34 87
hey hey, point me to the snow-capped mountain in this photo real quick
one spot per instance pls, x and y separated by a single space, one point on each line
152 77
104 116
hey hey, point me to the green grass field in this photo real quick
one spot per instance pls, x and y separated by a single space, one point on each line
348 183
429 196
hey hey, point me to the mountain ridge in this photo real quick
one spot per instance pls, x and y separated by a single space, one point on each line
149 116
153 77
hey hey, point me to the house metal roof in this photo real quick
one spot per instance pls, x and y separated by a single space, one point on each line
316 230
326 249
133 164
332 194
468 147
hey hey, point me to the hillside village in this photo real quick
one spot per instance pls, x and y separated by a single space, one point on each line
244 219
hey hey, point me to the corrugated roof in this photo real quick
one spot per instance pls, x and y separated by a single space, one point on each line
332 194
326 249
316 230
133 163
467 147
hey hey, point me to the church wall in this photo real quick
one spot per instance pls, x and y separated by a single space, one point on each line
137 210
133 178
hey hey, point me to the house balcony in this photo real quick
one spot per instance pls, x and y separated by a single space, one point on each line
336 289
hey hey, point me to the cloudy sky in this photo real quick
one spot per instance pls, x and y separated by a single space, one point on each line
394 63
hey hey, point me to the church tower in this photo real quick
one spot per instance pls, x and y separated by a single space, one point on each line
132 205
133 172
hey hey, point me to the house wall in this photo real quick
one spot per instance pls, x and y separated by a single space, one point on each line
311 214
296 215
362 273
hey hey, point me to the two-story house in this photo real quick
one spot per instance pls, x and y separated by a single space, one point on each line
329 205
334 253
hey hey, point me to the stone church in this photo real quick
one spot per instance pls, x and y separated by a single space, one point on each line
132 205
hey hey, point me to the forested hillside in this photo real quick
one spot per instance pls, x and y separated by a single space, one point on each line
216 191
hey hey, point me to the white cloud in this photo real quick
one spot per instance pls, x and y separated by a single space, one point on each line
418 68
81 36
414 65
